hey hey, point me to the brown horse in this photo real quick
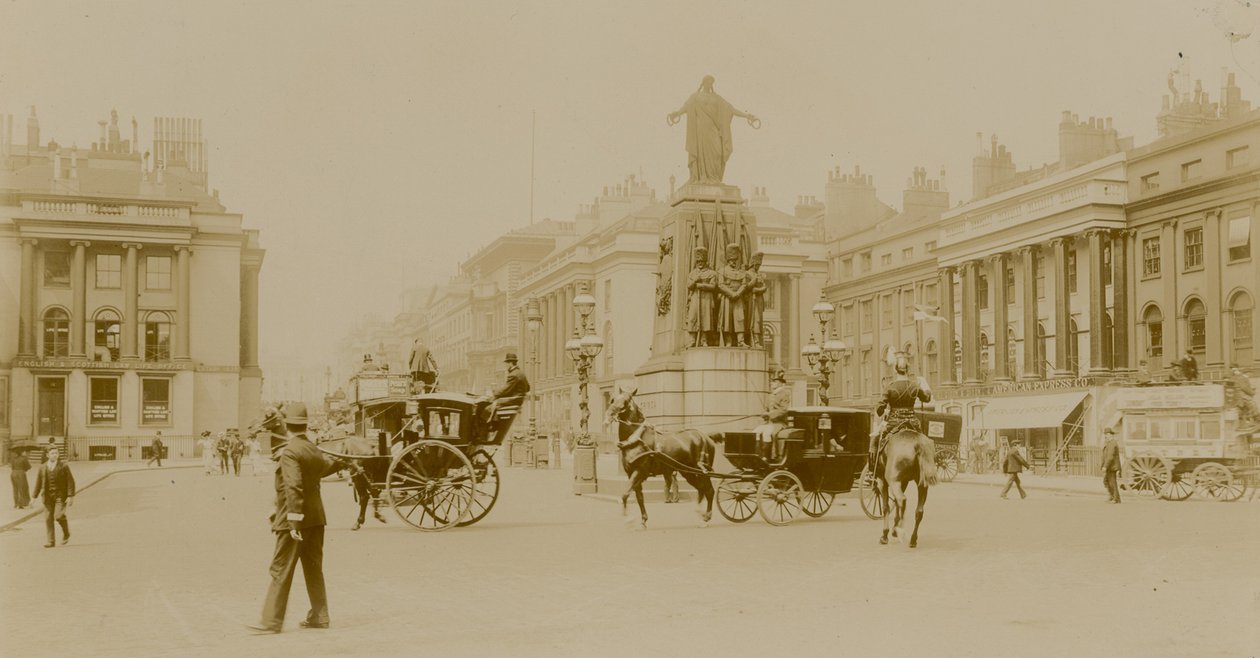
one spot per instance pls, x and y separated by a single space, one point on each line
646 452
906 456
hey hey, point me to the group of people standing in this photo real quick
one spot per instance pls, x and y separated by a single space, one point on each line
725 305
225 453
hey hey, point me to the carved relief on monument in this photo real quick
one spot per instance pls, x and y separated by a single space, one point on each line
665 276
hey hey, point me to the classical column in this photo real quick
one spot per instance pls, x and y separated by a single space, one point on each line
792 314
1062 307
1214 346
183 304
1097 302
877 346
249 308
131 295
1032 365
946 351
1172 310
1001 338
78 295
970 323
1122 325
26 305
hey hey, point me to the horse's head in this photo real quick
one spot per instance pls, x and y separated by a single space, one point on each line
621 407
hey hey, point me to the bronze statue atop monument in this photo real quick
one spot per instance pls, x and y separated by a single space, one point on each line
708 132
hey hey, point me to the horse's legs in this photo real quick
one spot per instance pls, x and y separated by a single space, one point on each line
361 493
918 513
897 490
705 490
637 476
881 493
671 486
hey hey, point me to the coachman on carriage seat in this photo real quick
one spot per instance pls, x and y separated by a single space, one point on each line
512 393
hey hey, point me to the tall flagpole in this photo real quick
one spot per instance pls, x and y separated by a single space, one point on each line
533 121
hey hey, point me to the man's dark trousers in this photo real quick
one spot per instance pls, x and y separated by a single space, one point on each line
310 551
55 509
1113 488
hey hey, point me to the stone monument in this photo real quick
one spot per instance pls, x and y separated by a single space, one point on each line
707 363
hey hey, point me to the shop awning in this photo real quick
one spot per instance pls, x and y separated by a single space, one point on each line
1027 411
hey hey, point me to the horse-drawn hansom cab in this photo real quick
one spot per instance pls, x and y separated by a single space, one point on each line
429 455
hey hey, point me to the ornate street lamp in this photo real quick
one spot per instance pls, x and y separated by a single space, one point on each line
583 347
822 358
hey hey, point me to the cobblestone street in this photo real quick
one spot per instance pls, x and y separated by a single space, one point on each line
548 573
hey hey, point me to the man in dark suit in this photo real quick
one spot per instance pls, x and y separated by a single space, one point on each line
298 524
55 481
513 391
423 368
156 447
1015 463
1111 465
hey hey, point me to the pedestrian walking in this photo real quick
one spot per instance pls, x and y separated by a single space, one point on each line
298 524
18 467
1111 465
1015 463
236 449
207 451
221 447
55 483
156 447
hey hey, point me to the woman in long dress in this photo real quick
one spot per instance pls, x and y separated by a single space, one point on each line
21 486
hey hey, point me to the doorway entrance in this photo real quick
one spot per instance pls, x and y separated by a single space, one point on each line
51 406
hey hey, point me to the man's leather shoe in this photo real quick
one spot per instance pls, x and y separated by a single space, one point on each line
306 623
49 545
259 629
66 539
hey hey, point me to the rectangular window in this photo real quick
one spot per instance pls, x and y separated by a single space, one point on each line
929 294
103 401
907 307
930 246
1191 170
866 261
886 311
1071 269
982 291
1010 286
1150 182
1194 248
848 314
1239 157
157 341
885 259
1156 332
155 401
56 268
1198 333
1209 427
1242 329
907 253
868 317
157 272
846 266
108 271
1239 238
1150 256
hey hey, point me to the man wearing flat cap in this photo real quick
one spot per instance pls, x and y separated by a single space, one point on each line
512 392
298 523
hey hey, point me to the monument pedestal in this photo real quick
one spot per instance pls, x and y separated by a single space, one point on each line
709 388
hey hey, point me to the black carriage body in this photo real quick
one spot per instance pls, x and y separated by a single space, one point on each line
824 446
943 429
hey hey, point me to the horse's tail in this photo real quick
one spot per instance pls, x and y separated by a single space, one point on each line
927 462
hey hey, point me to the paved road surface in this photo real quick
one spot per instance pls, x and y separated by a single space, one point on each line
174 563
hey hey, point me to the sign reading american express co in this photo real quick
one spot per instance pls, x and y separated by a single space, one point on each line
1031 386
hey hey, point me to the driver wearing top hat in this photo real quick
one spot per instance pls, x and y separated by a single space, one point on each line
512 392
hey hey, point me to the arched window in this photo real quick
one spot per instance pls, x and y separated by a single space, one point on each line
1072 343
1240 311
107 333
984 357
609 368
908 349
56 332
157 337
1011 353
1196 326
933 363
1041 349
1154 321
771 345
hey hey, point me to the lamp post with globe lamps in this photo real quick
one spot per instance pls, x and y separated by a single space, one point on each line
822 359
533 321
583 347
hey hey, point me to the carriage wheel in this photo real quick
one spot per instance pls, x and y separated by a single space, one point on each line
1148 475
816 503
430 485
779 497
487 489
871 501
1214 481
947 464
1180 487
737 501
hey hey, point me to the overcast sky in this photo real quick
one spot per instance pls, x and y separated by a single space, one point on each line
378 144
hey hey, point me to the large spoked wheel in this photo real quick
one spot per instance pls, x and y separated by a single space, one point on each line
1148 475
872 503
737 500
430 485
1216 482
779 497
487 490
1180 487
816 503
946 464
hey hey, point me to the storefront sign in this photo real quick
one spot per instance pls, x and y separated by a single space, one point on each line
1031 386
81 364
1205 396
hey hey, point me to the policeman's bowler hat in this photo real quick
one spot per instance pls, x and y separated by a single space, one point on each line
510 357
295 414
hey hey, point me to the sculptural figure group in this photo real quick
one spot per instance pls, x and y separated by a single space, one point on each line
725 306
